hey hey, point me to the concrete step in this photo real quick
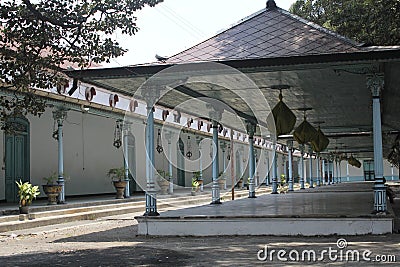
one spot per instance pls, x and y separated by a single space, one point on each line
42 216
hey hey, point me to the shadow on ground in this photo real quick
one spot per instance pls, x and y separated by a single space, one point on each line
117 256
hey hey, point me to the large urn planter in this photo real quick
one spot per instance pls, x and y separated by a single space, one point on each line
52 192
120 187
221 183
164 186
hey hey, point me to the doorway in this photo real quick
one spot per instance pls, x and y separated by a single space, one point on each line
181 163
16 157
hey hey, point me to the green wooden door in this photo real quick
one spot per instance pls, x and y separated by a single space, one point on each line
181 163
16 158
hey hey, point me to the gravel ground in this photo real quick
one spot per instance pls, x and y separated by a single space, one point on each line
113 242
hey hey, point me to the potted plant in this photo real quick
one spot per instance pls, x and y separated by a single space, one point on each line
117 176
195 186
240 183
163 181
26 193
198 178
52 189
283 188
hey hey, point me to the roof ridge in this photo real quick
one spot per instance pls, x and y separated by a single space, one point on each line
320 28
229 27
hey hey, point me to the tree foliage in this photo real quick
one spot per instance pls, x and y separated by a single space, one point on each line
372 22
38 38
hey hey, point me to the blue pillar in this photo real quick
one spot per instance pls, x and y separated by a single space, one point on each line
311 169
324 182
375 83
302 167
216 199
318 171
268 173
274 168
198 140
151 200
290 174
251 128
223 147
59 116
126 129
171 180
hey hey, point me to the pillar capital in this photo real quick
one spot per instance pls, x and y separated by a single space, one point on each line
250 129
126 126
215 113
60 115
289 144
376 83
151 94
301 147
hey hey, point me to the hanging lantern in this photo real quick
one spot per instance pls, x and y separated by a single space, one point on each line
159 148
321 142
354 162
305 132
189 153
284 118
118 134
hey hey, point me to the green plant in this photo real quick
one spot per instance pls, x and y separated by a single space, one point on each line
26 193
195 185
163 174
52 179
116 174
282 181
196 175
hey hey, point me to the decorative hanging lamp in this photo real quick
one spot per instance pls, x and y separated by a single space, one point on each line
159 148
354 162
321 142
284 118
305 132
118 134
189 153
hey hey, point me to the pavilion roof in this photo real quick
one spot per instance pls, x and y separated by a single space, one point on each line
270 33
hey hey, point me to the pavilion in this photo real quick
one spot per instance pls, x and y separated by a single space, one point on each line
348 89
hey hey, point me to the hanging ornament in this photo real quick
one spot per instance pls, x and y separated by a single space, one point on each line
90 92
133 104
284 118
321 142
165 114
305 132
354 162
189 153
199 124
118 134
159 148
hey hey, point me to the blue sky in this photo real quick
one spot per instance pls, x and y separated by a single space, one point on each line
176 25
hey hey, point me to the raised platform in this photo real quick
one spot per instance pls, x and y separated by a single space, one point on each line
342 209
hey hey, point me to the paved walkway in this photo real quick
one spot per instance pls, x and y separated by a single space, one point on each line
339 200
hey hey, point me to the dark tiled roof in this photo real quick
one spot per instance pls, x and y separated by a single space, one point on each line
269 33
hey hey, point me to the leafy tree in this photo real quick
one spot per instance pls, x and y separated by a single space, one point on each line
38 38
372 22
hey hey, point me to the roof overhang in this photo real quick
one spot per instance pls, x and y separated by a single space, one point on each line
333 85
